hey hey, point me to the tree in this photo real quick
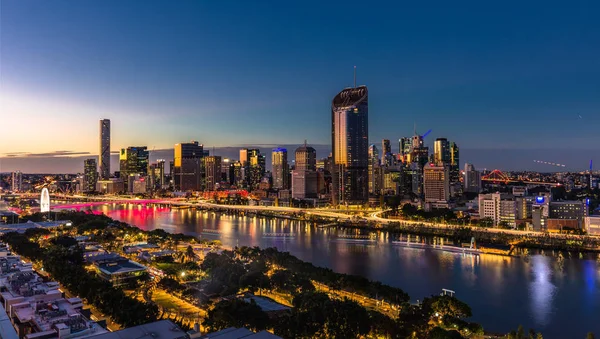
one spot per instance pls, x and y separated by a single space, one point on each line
590 335
189 254
236 313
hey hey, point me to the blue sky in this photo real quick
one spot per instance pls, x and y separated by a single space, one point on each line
503 75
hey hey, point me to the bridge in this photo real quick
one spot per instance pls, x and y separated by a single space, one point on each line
497 176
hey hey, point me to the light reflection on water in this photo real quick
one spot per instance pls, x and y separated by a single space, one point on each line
560 297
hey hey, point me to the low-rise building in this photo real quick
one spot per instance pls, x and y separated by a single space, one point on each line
37 308
592 225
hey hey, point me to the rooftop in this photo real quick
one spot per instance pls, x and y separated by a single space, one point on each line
266 304
238 333
162 329
122 265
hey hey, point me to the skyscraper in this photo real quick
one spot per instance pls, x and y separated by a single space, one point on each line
280 168
212 167
305 158
304 175
454 163
472 179
133 160
90 175
441 151
386 153
374 171
350 143
436 183
104 153
188 166
256 166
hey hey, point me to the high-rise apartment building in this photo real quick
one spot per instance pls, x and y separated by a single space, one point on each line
90 175
436 183
280 168
212 167
16 181
350 143
472 179
188 166
104 153
441 151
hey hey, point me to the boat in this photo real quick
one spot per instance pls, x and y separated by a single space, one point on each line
354 238
279 235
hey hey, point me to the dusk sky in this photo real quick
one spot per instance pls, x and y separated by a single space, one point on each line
493 77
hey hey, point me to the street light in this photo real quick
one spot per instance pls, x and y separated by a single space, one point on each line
182 274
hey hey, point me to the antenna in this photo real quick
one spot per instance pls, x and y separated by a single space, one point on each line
354 76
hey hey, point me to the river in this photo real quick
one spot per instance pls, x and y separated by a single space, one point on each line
557 295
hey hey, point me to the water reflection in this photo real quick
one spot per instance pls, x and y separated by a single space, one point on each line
542 292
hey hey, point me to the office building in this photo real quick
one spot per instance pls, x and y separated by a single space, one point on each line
441 151
454 163
280 168
304 176
104 153
374 171
133 161
472 179
188 166
304 184
90 175
256 168
212 167
566 214
228 171
420 153
157 175
349 138
503 209
405 149
305 158
390 180
386 153
16 181
592 225
540 212
436 183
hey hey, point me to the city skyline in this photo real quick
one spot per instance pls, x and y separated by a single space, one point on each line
460 84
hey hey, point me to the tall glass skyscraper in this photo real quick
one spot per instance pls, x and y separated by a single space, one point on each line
281 171
104 154
350 146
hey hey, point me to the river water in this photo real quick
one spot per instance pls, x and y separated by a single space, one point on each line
558 295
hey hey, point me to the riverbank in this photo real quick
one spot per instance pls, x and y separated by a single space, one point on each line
518 240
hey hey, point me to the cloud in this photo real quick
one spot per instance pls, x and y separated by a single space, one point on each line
47 154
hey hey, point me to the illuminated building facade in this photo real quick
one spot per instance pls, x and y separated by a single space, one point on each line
104 153
212 167
441 151
90 175
305 176
350 144
436 183
280 168
188 169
